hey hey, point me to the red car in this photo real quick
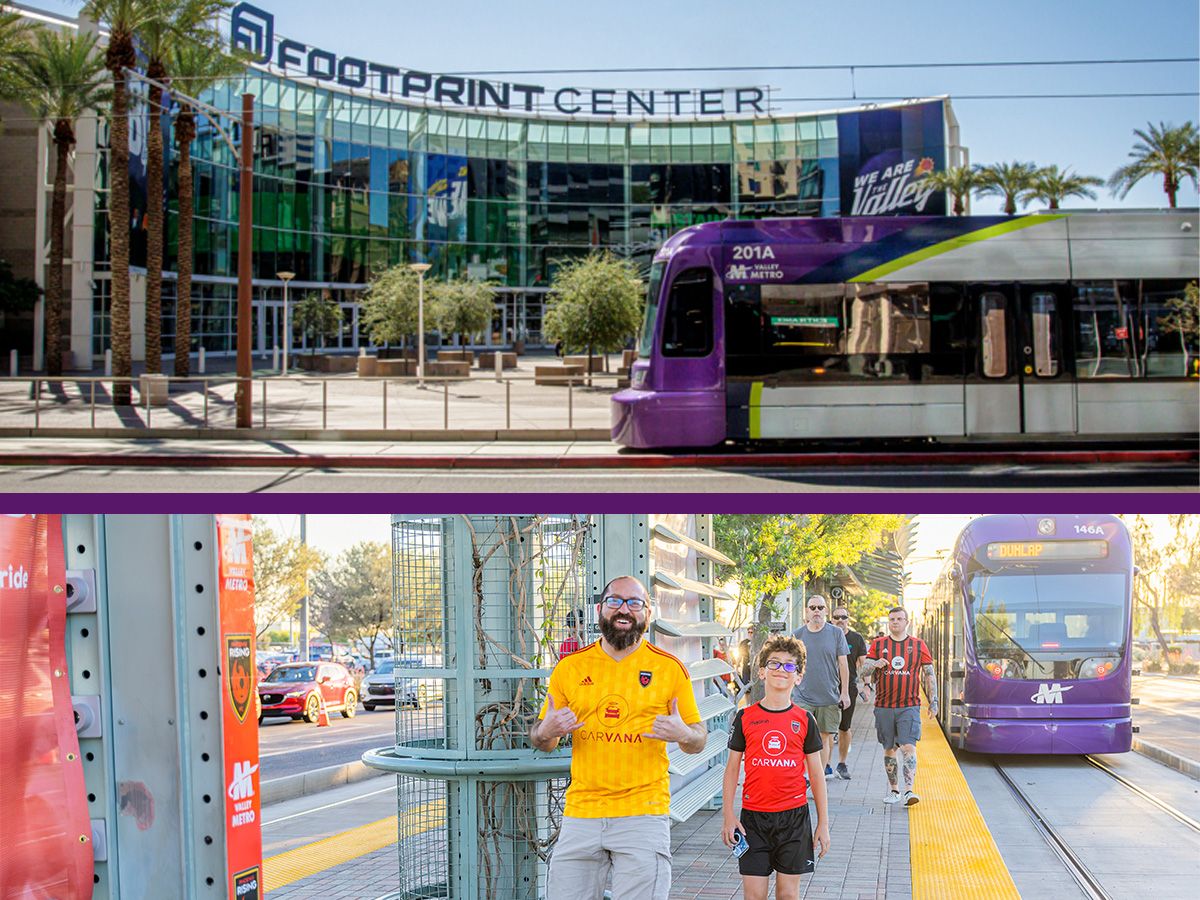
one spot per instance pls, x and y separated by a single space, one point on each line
295 689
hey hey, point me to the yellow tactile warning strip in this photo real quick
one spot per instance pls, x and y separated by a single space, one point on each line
318 856
952 853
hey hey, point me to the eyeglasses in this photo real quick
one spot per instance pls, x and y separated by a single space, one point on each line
774 664
816 607
635 604
843 618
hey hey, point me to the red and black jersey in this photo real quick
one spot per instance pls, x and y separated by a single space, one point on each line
774 743
898 683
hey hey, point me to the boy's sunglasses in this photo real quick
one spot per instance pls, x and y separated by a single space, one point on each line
774 664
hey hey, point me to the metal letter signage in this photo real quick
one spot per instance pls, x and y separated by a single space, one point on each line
252 32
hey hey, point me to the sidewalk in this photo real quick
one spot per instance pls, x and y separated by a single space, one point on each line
308 402
869 858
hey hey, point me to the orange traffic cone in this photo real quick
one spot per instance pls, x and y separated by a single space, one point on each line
323 715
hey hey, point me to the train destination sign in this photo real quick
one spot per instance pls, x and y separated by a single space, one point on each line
1051 550
252 31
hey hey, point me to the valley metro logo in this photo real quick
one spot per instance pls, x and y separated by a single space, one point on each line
1049 693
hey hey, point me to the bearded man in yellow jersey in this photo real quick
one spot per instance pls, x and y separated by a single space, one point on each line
622 700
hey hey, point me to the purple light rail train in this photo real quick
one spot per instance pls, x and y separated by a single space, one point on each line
1029 624
962 329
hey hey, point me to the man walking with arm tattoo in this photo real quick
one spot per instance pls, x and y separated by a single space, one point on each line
892 661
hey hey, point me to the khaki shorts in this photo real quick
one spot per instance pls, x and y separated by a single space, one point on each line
635 849
828 717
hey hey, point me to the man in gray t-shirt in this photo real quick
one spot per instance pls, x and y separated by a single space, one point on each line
824 689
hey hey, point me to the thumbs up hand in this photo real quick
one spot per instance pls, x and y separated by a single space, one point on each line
670 727
558 722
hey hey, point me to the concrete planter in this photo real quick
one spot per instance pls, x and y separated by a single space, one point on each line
367 366
154 389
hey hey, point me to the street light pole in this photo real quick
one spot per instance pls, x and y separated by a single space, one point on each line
285 277
245 268
420 269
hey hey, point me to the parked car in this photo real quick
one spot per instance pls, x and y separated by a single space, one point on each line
380 688
295 689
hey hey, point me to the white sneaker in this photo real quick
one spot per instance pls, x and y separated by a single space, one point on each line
911 799
893 797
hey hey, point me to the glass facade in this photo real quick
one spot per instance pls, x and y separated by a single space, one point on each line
346 185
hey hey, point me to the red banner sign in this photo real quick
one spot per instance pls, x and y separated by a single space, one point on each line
45 830
235 591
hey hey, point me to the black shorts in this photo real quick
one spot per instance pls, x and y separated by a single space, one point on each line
848 712
779 842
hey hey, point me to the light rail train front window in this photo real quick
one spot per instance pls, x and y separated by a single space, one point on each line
647 343
1041 625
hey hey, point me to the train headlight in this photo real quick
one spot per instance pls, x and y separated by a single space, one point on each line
1097 667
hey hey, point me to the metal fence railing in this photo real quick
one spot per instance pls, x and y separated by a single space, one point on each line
337 402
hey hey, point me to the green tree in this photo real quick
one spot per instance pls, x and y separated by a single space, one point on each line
868 609
389 305
354 596
1167 150
61 78
1052 186
959 182
173 24
1150 583
125 19
197 67
1008 180
463 307
595 303
15 35
282 567
317 319
774 552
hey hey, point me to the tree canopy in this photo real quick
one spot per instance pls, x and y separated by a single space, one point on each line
773 552
595 303
318 319
354 596
389 305
281 567
463 307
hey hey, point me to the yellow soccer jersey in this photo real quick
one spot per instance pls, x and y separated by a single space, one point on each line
614 770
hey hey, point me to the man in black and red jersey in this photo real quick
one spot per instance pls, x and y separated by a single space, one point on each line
777 742
895 659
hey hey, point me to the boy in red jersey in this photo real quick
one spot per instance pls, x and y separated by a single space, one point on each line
895 659
778 742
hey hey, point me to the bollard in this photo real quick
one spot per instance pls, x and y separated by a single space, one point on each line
499 358
108 363
200 361
274 357
12 363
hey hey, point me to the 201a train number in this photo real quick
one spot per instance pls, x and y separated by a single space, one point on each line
753 251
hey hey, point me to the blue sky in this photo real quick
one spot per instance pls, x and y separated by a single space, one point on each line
1092 136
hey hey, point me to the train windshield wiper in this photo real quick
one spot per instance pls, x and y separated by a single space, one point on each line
1011 639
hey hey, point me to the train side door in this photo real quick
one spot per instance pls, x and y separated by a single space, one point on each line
1048 402
993 391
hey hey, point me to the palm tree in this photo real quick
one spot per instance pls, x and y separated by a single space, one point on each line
960 182
15 33
177 23
125 18
1053 186
60 79
1007 180
1170 151
197 66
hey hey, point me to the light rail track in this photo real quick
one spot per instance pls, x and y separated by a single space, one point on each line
1087 881
1145 795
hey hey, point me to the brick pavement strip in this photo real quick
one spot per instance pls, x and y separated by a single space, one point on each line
869 858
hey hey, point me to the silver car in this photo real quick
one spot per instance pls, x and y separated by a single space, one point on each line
381 688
